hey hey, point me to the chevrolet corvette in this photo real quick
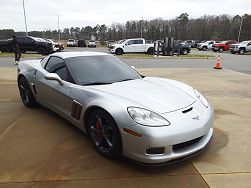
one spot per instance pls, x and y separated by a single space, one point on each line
147 119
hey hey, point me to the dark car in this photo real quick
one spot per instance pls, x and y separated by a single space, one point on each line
81 43
179 48
34 44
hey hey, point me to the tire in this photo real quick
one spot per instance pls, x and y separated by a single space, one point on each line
104 134
26 93
119 51
41 50
5 49
204 48
185 51
242 51
150 51
232 52
221 50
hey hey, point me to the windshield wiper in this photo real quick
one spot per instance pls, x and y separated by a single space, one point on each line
96 83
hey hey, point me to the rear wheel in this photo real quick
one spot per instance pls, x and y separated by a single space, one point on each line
104 134
119 51
150 51
232 52
204 48
26 93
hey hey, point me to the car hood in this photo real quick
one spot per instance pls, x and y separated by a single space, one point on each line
152 93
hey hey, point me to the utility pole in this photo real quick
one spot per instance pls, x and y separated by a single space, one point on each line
141 27
25 19
240 29
58 28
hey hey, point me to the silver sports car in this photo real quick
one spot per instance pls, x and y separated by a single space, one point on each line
149 120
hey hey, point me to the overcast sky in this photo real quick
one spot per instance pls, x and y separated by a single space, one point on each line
42 14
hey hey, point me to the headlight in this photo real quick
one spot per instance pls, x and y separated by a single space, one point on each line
202 99
147 117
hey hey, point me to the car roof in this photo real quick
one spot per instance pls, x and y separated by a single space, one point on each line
65 55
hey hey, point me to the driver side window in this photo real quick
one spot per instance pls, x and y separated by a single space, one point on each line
57 65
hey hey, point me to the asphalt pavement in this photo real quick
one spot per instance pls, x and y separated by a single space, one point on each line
239 63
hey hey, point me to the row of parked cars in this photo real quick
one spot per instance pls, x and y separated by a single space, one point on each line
35 44
140 45
231 45
81 43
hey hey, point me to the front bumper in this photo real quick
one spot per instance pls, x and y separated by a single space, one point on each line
184 137
234 49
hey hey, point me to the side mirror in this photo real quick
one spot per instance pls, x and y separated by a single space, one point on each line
54 76
126 44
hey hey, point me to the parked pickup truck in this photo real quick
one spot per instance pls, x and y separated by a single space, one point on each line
136 45
72 43
38 45
205 45
241 48
223 46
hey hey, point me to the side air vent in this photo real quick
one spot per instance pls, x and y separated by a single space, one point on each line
187 110
76 110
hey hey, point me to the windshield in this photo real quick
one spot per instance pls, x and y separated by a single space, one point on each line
121 41
102 69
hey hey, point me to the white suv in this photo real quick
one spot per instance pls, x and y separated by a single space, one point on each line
72 43
92 43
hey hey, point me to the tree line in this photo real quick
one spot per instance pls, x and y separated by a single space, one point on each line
207 27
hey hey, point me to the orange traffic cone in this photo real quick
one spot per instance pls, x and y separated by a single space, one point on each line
218 66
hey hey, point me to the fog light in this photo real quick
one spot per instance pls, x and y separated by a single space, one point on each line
155 151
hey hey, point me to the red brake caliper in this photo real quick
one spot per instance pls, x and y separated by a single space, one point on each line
97 126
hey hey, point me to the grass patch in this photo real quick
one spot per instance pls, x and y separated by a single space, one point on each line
24 55
147 56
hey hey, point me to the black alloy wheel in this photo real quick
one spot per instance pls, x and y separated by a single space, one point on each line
104 134
26 93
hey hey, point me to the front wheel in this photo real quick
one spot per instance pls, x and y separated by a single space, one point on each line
104 134
221 50
241 51
26 93
204 48
185 51
119 51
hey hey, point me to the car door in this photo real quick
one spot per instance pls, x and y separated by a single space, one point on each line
210 45
50 92
249 47
130 46
139 45
29 44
